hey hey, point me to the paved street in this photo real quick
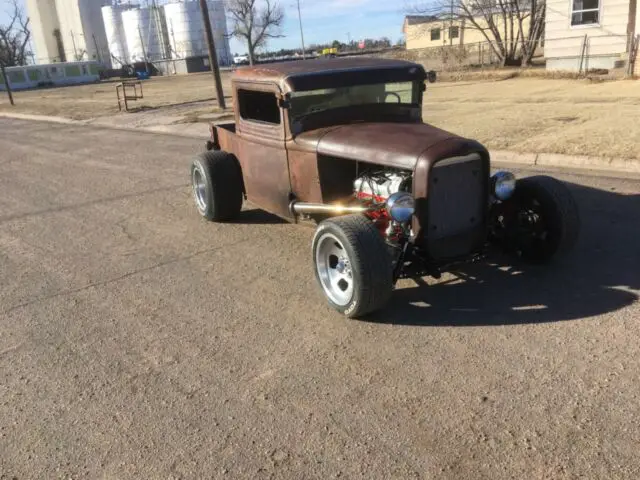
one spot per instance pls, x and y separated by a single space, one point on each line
139 341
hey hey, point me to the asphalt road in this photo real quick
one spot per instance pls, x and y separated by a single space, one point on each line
139 341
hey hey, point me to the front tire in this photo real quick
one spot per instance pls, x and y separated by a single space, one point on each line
352 265
216 182
547 221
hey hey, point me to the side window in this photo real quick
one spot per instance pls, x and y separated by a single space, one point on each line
259 106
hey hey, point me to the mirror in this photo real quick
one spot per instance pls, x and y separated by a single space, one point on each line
431 76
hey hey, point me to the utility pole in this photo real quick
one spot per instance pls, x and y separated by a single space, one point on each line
95 44
75 51
213 57
6 83
144 51
301 34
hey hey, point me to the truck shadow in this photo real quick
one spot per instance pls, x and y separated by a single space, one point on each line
255 216
596 279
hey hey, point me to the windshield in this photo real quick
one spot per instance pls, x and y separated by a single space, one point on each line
312 101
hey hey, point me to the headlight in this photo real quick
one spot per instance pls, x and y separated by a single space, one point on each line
504 184
400 206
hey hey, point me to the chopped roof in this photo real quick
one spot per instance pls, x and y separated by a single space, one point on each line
294 75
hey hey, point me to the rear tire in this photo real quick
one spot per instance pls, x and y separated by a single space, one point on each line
556 225
216 181
352 265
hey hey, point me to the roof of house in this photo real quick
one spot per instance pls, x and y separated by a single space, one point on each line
418 19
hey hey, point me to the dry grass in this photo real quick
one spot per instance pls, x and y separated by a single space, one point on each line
534 115
504 109
99 99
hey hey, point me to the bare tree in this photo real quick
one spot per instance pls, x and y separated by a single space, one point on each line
14 38
255 25
513 28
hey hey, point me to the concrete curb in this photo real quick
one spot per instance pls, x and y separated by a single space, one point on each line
626 165
622 165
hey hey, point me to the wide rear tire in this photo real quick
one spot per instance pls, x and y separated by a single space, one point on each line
352 265
555 225
216 181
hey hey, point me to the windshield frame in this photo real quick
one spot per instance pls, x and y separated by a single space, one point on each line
382 111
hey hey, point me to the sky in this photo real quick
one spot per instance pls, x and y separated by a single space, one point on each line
324 21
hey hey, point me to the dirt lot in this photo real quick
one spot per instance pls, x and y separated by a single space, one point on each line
521 114
139 341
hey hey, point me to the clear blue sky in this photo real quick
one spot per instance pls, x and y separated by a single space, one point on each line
327 20
324 21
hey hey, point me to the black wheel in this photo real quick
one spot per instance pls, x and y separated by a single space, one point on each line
352 265
546 221
216 180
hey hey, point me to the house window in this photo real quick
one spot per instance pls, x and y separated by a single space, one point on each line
454 32
585 12
259 106
435 34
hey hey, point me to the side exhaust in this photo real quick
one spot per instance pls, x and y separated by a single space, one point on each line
298 208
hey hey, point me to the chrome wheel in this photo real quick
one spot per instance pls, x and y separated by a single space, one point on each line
199 189
334 269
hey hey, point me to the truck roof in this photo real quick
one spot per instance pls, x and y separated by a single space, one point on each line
330 72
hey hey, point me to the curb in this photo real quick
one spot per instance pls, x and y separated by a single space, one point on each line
625 165
611 164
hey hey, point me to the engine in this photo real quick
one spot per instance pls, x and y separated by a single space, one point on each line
377 186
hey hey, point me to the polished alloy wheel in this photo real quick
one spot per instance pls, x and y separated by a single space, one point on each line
334 269
199 189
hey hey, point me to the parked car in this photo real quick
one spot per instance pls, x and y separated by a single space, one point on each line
342 142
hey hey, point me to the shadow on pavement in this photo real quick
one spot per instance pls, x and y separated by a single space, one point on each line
258 217
594 280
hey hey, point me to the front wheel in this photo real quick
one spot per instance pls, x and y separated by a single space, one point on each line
352 265
542 220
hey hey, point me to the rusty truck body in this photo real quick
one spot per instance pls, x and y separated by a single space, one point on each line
343 142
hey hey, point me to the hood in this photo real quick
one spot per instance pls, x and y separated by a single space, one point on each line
390 144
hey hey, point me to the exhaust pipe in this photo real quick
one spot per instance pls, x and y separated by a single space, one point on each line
298 208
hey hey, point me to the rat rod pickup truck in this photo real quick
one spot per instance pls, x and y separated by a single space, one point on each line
342 142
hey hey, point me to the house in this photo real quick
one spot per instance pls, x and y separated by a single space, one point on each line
590 34
423 31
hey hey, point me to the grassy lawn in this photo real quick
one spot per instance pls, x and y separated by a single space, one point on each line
521 114
537 115
82 102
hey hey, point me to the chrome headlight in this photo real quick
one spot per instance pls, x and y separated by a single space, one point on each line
504 184
400 206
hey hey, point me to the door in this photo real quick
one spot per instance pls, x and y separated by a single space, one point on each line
262 152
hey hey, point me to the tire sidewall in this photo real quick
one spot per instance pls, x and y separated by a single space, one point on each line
354 302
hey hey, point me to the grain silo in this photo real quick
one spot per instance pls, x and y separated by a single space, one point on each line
186 30
114 28
82 30
145 33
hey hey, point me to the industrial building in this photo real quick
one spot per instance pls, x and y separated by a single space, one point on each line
117 33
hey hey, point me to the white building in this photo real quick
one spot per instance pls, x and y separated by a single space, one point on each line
590 34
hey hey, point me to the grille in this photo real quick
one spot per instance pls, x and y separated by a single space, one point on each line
456 206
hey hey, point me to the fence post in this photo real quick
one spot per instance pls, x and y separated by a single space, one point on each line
6 83
584 48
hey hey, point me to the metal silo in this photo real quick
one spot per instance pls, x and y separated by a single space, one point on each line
184 25
186 31
145 34
116 40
